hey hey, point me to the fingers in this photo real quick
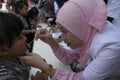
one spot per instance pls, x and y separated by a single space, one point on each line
36 77
38 30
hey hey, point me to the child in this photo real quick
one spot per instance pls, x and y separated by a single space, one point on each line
10 5
21 10
12 45
33 15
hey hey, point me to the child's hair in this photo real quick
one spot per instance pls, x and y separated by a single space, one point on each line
10 27
33 12
49 6
19 5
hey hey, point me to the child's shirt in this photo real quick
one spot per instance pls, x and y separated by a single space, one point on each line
24 21
32 23
13 69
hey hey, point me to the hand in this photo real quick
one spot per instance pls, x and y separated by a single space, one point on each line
44 35
38 76
35 60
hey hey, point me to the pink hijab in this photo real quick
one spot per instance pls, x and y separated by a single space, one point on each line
84 18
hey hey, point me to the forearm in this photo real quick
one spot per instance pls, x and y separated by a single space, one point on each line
54 45
25 32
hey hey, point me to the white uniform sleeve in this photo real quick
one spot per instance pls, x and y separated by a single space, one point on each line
113 7
106 63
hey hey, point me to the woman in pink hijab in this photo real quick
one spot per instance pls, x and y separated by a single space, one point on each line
95 40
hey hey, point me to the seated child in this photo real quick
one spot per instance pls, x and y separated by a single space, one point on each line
21 10
33 15
12 46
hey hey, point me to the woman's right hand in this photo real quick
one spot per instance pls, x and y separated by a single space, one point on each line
45 36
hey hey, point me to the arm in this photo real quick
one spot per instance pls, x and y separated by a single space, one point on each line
65 55
105 64
55 74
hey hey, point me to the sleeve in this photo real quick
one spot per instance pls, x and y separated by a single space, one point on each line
113 7
8 74
62 75
65 55
105 64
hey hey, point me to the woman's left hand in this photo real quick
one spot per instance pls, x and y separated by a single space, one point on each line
35 60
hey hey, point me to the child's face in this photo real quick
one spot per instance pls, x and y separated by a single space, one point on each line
19 46
23 11
70 39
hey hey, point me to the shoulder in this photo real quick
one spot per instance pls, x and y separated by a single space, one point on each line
11 70
7 73
108 37
3 70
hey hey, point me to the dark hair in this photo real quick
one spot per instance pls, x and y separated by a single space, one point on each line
106 1
19 5
60 2
49 6
35 1
33 12
10 27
